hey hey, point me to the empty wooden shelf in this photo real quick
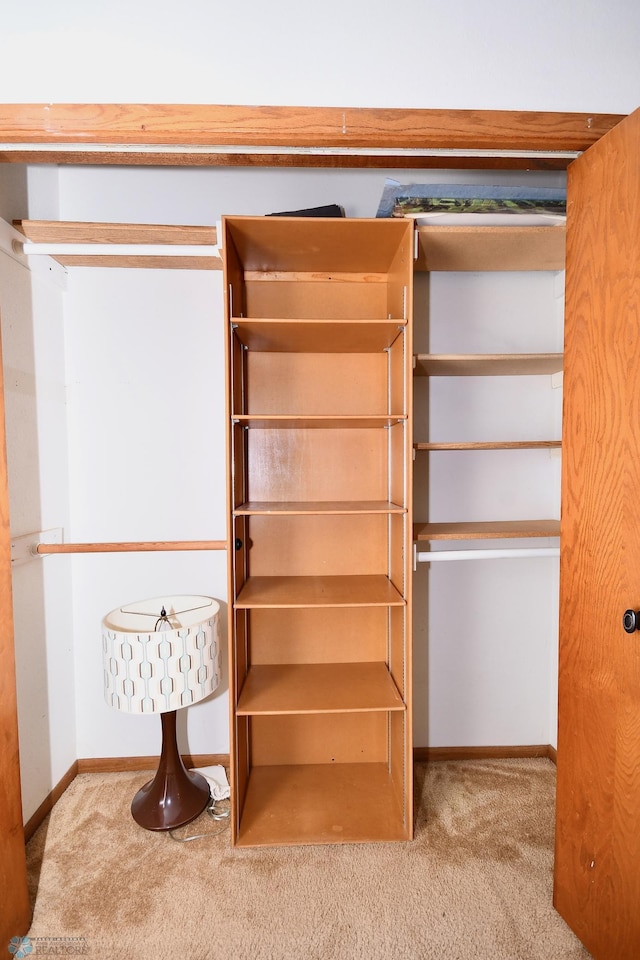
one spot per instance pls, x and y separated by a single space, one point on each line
486 530
499 248
165 246
336 336
487 365
319 506
318 688
342 591
491 445
359 802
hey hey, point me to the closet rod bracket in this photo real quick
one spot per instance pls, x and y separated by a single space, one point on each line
25 548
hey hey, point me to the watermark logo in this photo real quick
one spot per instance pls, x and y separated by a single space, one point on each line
20 947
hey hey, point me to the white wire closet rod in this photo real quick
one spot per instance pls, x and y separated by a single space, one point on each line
332 150
428 556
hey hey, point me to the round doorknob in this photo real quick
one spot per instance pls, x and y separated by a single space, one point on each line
631 620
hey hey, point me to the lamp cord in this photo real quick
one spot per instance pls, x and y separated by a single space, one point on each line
215 814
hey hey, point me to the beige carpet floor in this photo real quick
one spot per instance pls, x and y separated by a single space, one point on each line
475 883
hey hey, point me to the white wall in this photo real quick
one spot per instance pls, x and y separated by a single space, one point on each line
486 682
485 640
145 368
525 55
33 354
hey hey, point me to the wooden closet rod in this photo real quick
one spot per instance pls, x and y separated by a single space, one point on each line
147 546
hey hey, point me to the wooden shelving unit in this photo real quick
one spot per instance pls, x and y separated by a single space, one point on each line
508 248
319 368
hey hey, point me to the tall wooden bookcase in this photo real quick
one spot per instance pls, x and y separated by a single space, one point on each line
319 352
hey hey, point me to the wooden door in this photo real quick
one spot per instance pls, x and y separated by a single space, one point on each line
597 871
15 911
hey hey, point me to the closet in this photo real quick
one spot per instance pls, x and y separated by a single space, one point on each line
599 736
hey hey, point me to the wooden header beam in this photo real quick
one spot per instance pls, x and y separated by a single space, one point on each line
214 135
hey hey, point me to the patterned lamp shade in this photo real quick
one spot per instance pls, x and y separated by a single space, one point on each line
161 654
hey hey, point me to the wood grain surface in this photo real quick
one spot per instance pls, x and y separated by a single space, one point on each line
597 877
320 132
15 909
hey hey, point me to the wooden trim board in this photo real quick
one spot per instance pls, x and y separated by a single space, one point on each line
435 754
15 915
162 243
203 124
111 765
69 133
49 801
80 231
131 764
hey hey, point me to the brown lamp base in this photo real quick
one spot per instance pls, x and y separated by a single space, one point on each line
176 795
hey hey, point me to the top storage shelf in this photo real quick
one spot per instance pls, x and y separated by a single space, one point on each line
319 244
316 270
469 248
439 247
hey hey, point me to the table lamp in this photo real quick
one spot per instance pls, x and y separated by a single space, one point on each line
161 655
